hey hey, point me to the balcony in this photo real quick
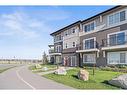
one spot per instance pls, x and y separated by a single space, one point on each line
111 43
53 52
87 48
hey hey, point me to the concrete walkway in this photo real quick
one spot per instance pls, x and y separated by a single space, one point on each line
22 78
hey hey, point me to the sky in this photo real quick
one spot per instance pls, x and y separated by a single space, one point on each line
25 30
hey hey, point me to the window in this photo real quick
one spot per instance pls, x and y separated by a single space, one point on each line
122 16
117 57
73 44
66 33
73 30
117 17
66 45
89 58
122 57
58 48
117 39
89 44
89 27
57 38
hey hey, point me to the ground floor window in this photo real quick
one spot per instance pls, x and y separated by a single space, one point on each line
117 57
89 58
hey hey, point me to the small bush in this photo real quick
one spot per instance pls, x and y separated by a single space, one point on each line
89 65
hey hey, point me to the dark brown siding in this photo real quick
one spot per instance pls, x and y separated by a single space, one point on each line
123 27
69 50
99 35
102 61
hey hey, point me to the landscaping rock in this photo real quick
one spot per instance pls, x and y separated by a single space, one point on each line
61 71
83 75
38 66
120 81
45 68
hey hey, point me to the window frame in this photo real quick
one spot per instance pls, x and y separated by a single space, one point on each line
84 45
118 12
85 25
93 55
108 36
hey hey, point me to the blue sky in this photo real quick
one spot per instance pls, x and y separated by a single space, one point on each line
25 30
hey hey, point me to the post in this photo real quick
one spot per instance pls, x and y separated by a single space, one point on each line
94 69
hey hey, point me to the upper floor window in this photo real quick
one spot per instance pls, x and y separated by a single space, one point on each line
66 33
117 17
89 27
73 30
58 48
66 45
117 39
89 43
73 44
57 38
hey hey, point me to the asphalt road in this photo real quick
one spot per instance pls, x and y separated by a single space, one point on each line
22 78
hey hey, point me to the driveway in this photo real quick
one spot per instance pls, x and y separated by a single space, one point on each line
22 78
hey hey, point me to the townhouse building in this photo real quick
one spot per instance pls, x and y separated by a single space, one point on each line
100 40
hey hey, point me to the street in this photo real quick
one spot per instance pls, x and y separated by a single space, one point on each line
22 78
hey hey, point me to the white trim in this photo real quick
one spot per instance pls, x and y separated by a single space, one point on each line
116 33
55 54
116 60
58 41
87 50
114 47
90 54
119 16
88 24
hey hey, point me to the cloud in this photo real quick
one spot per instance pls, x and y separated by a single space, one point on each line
21 24
50 13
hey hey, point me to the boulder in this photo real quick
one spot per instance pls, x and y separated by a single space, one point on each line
83 75
61 71
38 66
120 81
45 68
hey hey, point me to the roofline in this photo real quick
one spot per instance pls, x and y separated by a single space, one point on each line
101 13
85 19
65 27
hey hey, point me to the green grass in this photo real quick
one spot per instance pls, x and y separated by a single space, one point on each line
97 81
35 70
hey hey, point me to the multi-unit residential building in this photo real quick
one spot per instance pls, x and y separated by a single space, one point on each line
100 40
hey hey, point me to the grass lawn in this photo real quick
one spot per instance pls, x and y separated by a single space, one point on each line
35 70
97 81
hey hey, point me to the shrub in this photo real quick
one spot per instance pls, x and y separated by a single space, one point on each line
88 65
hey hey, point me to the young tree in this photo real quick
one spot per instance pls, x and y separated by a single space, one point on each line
44 58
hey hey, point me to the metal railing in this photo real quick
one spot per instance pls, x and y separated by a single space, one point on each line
109 42
53 51
82 46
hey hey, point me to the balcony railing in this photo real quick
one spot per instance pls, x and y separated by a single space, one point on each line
83 47
53 51
111 42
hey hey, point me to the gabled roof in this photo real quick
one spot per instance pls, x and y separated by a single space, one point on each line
69 26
